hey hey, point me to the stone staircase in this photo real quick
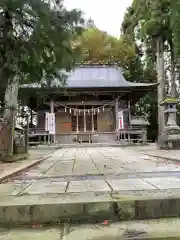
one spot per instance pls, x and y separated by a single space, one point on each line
104 138
96 138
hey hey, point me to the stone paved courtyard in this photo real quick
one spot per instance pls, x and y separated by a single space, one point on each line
93 183
73 170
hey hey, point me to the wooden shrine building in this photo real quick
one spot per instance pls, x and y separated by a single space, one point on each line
93 106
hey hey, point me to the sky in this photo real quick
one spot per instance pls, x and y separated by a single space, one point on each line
107 15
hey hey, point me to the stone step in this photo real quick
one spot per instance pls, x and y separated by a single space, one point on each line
141 230
90 145
88 207
149 230
102 144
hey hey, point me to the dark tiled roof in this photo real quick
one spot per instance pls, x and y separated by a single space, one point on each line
89 76
94 76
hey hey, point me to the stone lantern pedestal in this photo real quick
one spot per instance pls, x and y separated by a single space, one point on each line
170 139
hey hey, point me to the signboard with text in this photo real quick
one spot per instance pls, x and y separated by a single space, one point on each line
121 120
50 123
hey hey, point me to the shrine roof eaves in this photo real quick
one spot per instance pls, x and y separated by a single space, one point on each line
94 76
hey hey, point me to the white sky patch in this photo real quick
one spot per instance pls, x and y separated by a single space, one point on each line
107 15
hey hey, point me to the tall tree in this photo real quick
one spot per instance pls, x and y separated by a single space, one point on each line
175 43
35 41
97 46
152 19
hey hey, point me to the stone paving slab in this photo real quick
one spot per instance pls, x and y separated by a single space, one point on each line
88 186
171 156
164 183
152 229
84 168
108 166
136 160
28 234
130 185
12 188
45 188
61 168
35 157
110 185
21 167
151 150
149 229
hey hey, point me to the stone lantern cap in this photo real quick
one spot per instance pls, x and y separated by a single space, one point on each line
169 101
170 104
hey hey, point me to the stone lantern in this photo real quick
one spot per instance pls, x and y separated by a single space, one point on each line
170 138
142 123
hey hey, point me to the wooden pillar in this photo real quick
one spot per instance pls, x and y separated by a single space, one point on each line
51 107
116 114
144 135
26 135
84 119
31 112
52 111
92 119
129 109
49 141
77 120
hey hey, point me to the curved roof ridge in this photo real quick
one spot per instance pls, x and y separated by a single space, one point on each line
98 76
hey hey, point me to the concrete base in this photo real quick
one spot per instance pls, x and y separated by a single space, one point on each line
170 138
170 142
19 149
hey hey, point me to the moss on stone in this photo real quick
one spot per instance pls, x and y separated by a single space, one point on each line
170 101
14 158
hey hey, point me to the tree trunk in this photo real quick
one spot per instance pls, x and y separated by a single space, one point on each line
173 80
11 97
11 101
173 76
161 86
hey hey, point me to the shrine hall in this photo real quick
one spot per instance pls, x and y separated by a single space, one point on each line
94 105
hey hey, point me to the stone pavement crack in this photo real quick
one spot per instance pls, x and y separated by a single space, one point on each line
67 186
74 162
150 183
55 163
23 189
